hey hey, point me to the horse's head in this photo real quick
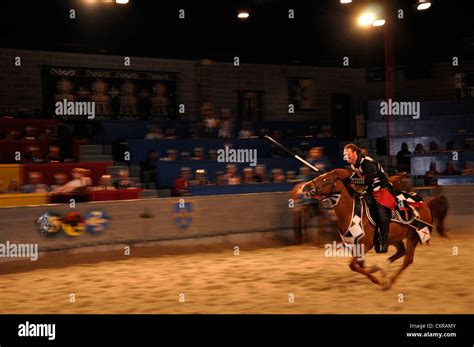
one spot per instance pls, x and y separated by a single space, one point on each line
326 184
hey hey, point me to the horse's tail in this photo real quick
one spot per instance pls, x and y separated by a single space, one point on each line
439 209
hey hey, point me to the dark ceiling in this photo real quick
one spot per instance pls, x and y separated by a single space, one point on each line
322 32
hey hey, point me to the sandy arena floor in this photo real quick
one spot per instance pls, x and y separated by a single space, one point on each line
256 281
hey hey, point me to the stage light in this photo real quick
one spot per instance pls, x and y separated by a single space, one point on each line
121 2
423 5
366 19
346 1
243 15
378 22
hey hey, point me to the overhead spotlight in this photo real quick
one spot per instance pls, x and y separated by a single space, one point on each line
366 19
423 5
346 1
121 2
378 22
243 15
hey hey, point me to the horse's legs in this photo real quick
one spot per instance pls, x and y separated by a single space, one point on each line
357 266
412 242
298 225
400 253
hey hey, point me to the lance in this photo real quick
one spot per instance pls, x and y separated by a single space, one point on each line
290 153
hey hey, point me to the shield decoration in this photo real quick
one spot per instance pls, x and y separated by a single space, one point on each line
182 214
49 223
97 221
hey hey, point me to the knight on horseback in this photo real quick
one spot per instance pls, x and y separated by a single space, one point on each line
379 192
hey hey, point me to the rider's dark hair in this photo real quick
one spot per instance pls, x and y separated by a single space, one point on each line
354 148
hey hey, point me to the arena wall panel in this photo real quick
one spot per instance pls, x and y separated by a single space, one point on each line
154 219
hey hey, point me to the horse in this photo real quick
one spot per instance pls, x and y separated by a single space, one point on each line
303 211
433 211
306 209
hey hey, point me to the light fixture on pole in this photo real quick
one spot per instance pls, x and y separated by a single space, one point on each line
366 19
243 15
378 22
423 5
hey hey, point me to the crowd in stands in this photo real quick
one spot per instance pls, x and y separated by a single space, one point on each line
222 126
404 158
79 184
452 167
251 175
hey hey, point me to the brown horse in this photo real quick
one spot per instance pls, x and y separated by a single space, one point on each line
303 212
434 210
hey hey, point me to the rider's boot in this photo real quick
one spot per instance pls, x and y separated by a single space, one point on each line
381 246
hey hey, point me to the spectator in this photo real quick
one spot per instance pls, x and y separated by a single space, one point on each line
225 124
78 183
31 133
248 176
317 159
105 183
277 176
220 178
212 154
231 175
304 174
419 149
277 135
185 156
431 175
123 181
171 155
180 186
200 178
208 119
291 177
13 135
60 179
434 148
170 134
450 147
35 184
326 132
54 155
33 155
87 179
246 132
260 174
207 109
403 159
451 169
468 144
198 154
194 133
154 133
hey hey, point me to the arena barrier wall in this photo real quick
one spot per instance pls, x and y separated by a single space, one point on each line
149 221
152 220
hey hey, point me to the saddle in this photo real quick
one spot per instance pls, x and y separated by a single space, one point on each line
405 213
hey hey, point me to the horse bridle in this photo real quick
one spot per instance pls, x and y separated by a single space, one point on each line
324 182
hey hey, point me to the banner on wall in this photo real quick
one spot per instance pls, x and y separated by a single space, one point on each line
114 94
